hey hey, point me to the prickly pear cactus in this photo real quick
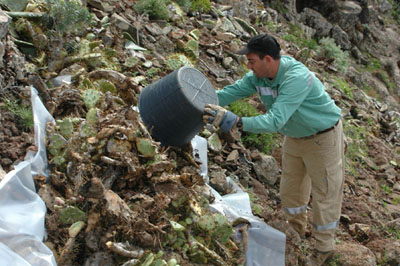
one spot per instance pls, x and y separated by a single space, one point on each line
146 147
91 97
105 85
92 116
192 49
71 214
206 223
175 61
57 147
66 127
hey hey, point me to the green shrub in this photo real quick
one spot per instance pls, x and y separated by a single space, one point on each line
356 147
156 9
374 64
195 5
345 87
329 49
69 15
264 142
24 113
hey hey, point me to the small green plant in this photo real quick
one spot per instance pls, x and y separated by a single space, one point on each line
374 65
69 15
329 49
156 9
345 87
263 142
336 260
356 147
24 113
386 189
395 10
393 232
195 5
383 76
396 201
271 26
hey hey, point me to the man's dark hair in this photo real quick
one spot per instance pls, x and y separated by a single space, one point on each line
262 45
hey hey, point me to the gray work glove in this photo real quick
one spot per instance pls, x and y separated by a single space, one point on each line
220 117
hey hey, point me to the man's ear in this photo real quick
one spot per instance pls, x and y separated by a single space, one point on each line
268 58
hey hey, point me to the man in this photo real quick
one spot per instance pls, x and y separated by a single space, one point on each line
313 155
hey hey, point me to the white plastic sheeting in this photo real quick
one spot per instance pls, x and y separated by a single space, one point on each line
266 245
22 211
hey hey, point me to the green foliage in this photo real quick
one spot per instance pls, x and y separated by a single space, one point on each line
386 189
295 35
22 112
374 64
194 5
263 142
393 232
395 10
329 49
279 6
255 208
243 108
151 72
336 260
70 215
271 26
156 9
356 146
383 76
345 87
69 15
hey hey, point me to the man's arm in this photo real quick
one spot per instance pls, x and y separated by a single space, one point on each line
242 88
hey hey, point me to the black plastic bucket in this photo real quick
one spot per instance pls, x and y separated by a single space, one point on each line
172 107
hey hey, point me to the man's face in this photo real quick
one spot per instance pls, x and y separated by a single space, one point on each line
259 66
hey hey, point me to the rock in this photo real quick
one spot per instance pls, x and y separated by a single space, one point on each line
355 255
99 258
101 5
227 62
233 156
15 5
2 173
214 143
316 21
123 24
267 169
385 6
2 51
395 224
387 251
247 27
116 207
362 231
219 183
341 38
4 22
225 36
154 29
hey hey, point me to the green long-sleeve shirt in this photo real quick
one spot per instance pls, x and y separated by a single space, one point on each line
296 100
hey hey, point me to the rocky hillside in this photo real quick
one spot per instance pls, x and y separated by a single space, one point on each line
115 196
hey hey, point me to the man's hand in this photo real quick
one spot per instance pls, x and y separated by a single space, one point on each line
220 117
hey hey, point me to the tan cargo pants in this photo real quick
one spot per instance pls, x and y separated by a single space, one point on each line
314 165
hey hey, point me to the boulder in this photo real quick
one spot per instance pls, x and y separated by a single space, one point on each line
267 169
355 255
